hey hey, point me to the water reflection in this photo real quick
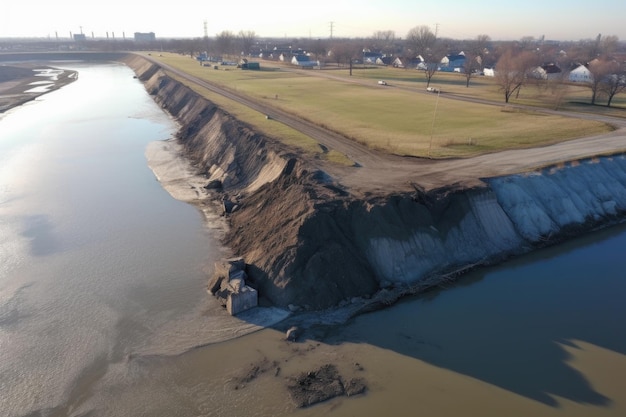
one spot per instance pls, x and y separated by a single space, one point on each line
510 325
40 233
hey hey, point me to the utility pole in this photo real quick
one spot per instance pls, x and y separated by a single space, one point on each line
206 36
436 30
432 128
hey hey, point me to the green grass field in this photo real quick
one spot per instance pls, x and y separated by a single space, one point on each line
399 118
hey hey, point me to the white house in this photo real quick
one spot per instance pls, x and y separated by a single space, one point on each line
489 72
304 61
546 72
452 62
580 74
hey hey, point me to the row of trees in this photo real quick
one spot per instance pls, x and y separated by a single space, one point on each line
516 65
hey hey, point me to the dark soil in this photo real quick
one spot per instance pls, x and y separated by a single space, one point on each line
314 387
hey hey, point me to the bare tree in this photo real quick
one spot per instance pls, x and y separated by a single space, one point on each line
512 71
609 44
474 56
247 39
420 40
383 41
612 85
527 42
192 46
430 68
599 69
345 51
588 49
606 78
224 42
471 66
319 48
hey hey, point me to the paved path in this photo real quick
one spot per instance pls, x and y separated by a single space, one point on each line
377 172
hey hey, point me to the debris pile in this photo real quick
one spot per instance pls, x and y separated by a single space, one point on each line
228 284
323 384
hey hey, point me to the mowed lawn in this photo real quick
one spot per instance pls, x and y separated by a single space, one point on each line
400 118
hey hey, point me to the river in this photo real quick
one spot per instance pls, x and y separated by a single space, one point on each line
97 261
103 310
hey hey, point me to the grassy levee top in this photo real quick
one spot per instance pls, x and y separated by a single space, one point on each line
402 117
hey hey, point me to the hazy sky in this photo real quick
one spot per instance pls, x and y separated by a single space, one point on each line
460 19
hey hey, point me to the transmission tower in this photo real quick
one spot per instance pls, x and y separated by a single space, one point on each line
206 30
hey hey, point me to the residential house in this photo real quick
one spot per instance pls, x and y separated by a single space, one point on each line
580 74
549 71
403 62
451 63
371 57
304 61
385 60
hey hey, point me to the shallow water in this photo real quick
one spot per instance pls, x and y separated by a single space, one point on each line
97 261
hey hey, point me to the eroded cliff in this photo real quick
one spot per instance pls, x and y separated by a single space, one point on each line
311 243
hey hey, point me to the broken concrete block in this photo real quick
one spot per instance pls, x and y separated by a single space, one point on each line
236 285
243 300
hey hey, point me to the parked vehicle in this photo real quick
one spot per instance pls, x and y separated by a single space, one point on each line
381 82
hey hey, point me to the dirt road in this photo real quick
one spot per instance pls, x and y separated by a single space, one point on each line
378 172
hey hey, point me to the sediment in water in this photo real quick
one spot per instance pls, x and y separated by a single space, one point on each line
310 243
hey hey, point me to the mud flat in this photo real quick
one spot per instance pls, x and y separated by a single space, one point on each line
23 82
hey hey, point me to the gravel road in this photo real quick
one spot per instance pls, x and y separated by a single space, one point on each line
377 172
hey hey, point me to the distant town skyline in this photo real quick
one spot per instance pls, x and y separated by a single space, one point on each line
457 19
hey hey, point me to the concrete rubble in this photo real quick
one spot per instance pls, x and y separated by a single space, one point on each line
229 286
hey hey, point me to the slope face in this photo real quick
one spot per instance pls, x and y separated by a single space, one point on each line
310 243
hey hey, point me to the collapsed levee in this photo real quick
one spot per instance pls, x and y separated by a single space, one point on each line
309 243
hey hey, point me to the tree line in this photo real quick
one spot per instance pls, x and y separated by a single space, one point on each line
513 61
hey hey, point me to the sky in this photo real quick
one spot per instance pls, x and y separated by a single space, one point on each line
457 19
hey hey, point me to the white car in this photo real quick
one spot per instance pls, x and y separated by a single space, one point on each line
381 82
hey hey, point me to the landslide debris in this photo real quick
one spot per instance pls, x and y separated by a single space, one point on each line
316 386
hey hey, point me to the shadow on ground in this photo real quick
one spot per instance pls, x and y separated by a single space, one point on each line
507 325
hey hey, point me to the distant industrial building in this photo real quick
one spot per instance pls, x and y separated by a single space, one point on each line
144 37
80 37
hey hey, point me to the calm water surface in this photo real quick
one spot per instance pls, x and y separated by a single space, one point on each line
95 257
509 325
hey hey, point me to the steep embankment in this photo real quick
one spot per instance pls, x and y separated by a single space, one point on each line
310 243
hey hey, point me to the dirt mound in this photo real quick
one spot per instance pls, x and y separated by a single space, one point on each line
320 385
304 237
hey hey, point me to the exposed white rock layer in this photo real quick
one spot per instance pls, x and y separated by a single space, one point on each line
512 215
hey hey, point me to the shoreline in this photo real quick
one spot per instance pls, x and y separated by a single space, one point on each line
306 235
242 370
19 87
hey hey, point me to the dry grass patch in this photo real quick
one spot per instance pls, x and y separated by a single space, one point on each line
400 118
